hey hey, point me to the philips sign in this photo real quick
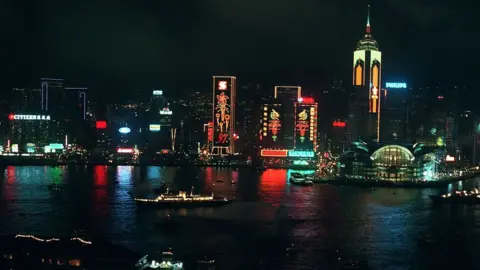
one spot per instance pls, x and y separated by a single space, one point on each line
28 117
397 85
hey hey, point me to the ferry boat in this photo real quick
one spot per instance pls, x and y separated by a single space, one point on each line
182 199
299 179
165 261
459 197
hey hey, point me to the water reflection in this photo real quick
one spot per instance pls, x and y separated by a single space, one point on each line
378 225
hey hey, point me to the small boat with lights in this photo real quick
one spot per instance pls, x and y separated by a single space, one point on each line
299 179
459 197
182 199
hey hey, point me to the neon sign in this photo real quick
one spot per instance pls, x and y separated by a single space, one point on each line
28 117
101 124
125 150
154 127
300 162
273 153
274 124
396 85
124 130
305 126
157 92
339 124
222 115
166 111
296 153
222 85
449 158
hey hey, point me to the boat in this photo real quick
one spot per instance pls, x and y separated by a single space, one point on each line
206 263
182 199
459 197
219 181
299 179
164 261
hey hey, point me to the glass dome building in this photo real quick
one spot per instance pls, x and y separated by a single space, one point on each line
394 163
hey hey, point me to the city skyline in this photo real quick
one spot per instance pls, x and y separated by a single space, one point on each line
143 46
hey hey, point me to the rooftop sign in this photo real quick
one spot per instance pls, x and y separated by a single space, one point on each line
397 85
28 117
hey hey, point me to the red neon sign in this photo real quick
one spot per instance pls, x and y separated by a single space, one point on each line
210 131
101 124
11 116
339 124
125 150
273 153
306 100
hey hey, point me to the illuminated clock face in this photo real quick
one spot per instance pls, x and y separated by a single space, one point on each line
222 85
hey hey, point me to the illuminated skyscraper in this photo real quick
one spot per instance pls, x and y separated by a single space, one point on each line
365 99
224 98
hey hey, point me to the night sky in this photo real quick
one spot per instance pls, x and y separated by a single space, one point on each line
126 45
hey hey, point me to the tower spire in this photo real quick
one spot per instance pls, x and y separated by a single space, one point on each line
368 20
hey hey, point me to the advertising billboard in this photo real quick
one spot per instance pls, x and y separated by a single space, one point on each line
271 135
305 136
12 117
223 112
154 127
101 124
396 85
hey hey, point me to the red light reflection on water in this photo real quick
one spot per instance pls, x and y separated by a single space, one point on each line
10 181
272 185
10 175
100 175
100 196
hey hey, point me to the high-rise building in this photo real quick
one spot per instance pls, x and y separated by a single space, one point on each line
52 94
287 96
224 98
394 127
25 100
364 115
271 129
306 129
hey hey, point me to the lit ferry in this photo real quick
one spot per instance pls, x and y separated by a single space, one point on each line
182 199
299 179
459 197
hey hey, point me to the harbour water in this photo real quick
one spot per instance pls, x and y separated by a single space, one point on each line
380 226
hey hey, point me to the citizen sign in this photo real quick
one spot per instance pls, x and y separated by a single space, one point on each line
30 117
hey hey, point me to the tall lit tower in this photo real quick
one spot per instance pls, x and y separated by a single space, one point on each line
367 74
224 96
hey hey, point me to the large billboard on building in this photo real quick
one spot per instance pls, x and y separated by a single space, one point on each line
305 124
271 123
224 91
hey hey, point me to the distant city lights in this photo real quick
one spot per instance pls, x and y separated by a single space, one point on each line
28 117
396 85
